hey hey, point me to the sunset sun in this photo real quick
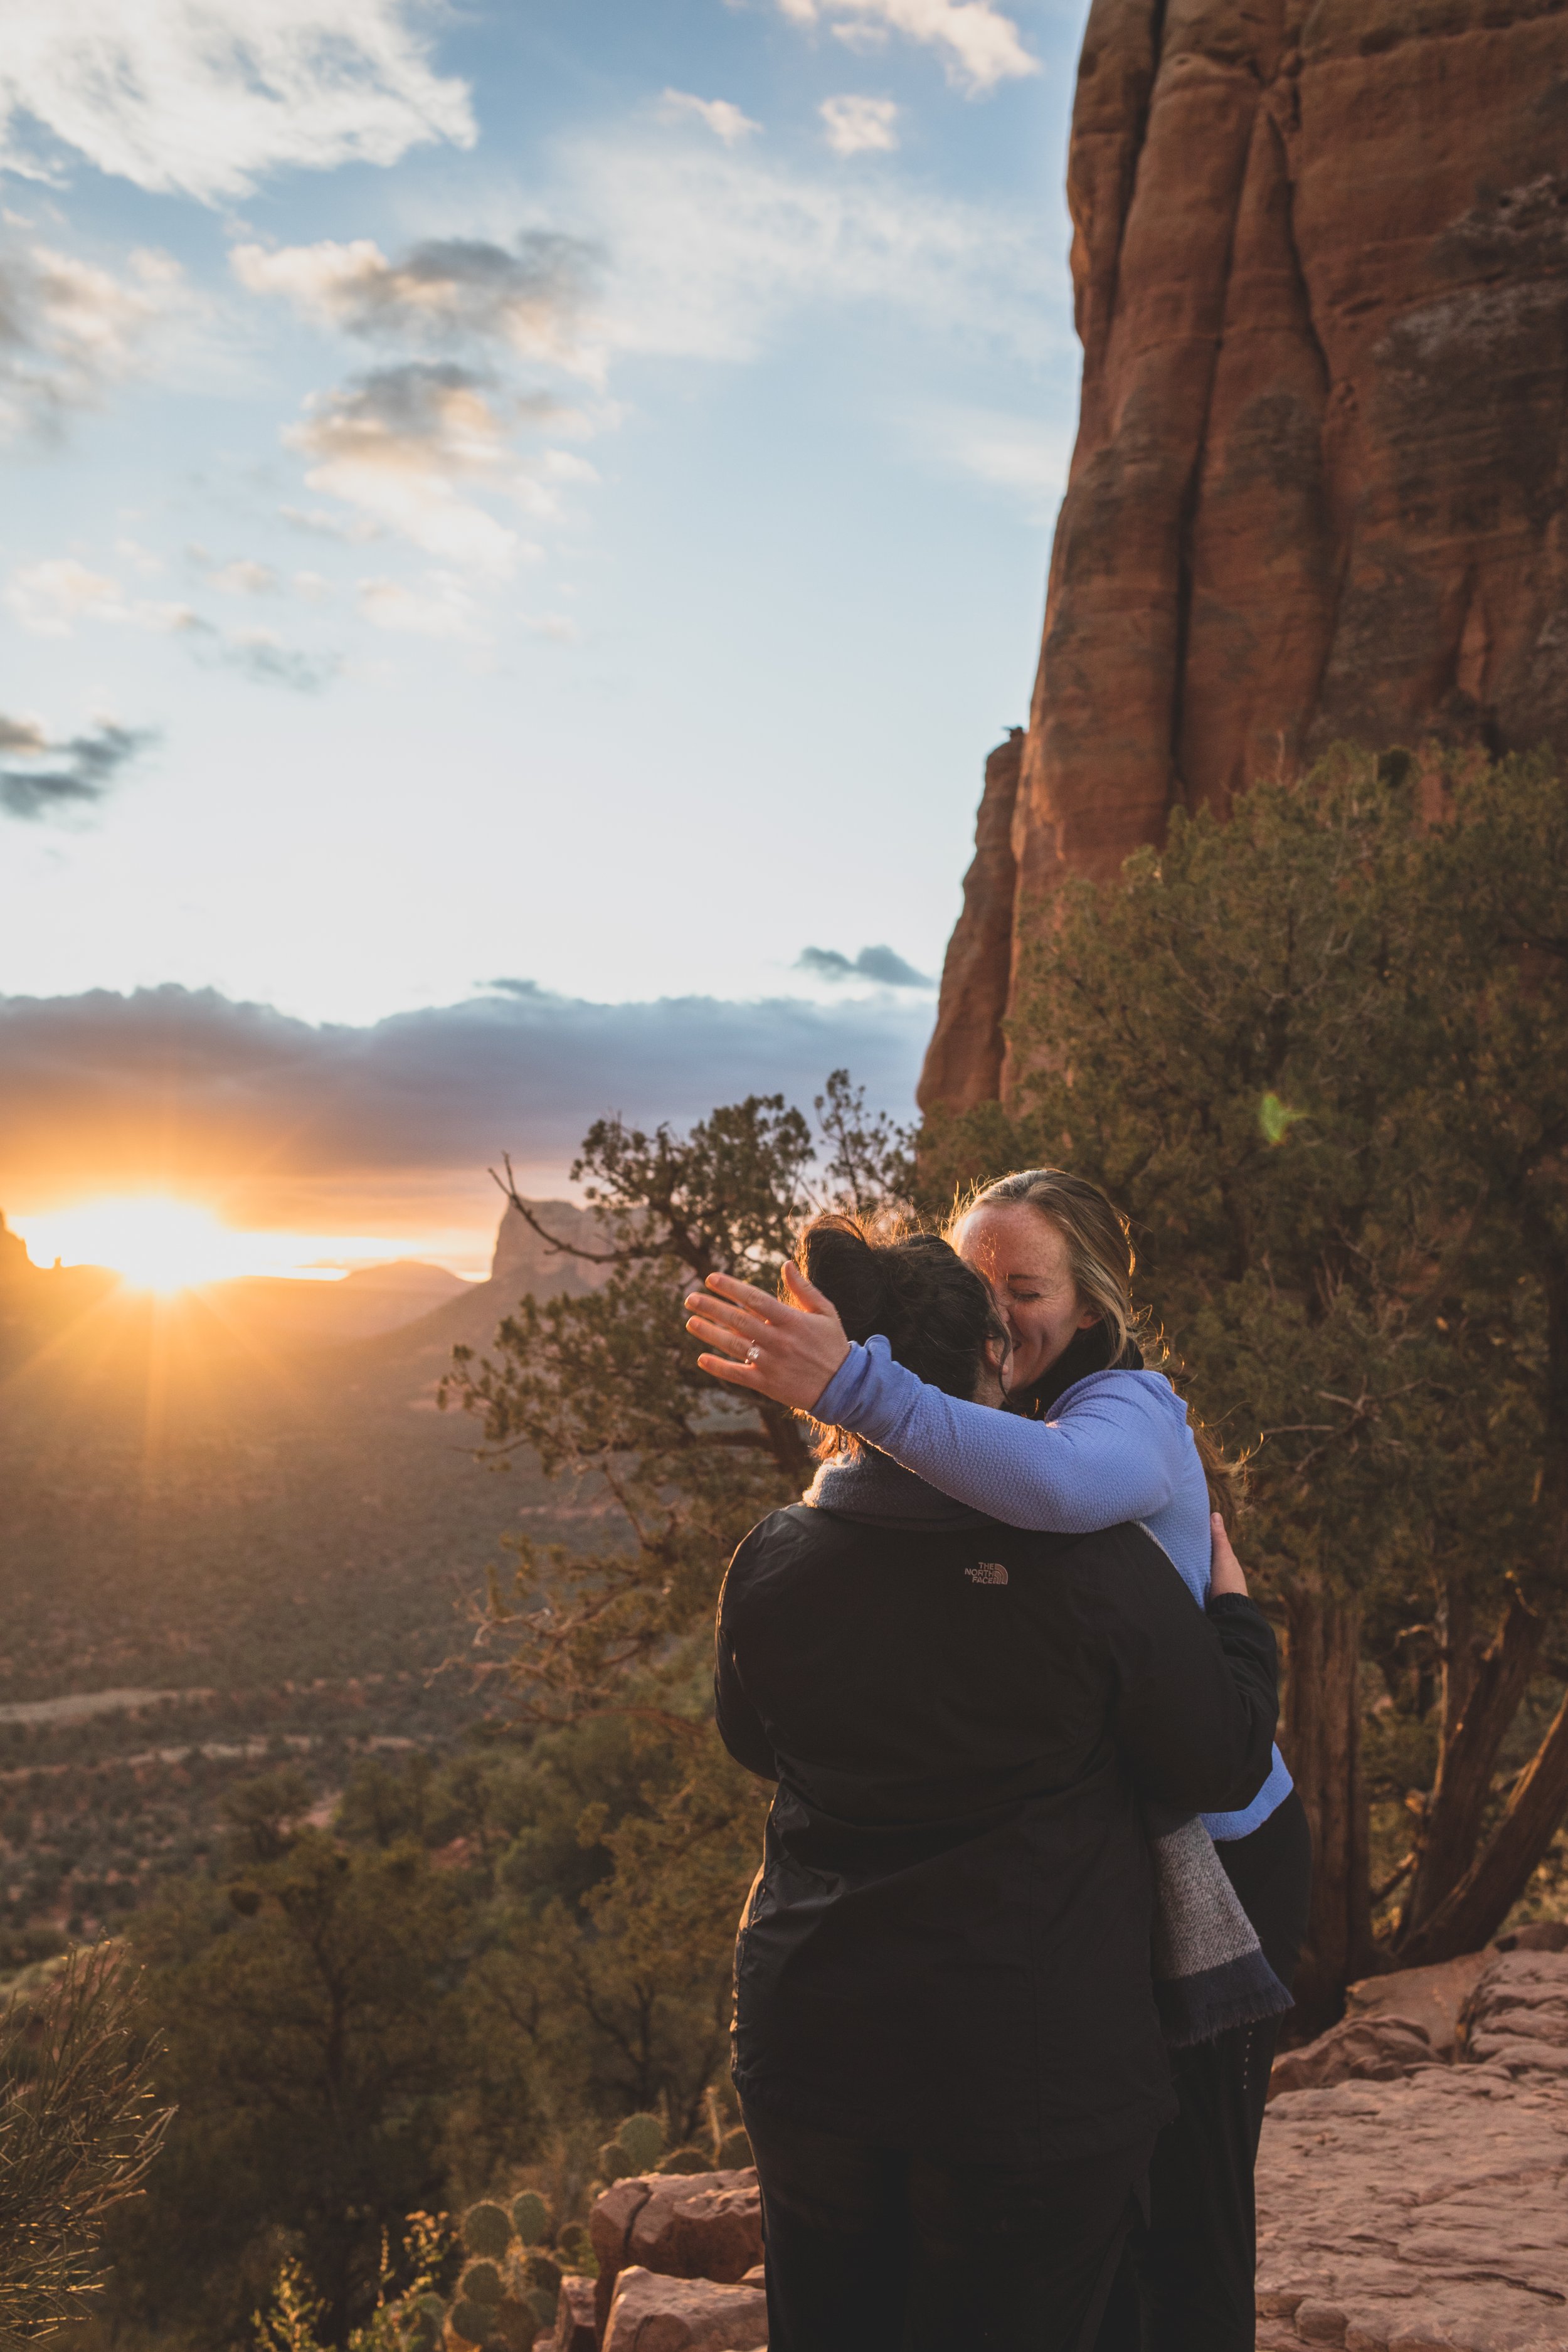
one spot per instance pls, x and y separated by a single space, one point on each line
154 1240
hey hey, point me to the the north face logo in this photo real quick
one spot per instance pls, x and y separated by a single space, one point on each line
986 1571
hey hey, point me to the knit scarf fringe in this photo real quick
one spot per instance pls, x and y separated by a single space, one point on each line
1211 1973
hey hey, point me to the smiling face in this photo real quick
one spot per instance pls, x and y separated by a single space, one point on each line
1024 1259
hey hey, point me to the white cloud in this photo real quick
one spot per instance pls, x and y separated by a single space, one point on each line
1028 456
398 444
321 522
444 608
531 298
710 250
202 98
50 598
245 577
979 45
71 330
723 118
860 126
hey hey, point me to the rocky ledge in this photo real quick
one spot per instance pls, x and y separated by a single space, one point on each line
1413 2181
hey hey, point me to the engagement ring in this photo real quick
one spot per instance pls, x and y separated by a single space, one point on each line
752 1352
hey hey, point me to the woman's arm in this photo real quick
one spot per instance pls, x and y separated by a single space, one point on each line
1198 1691
1114 1454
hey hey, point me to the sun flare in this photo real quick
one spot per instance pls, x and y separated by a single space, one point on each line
153 1239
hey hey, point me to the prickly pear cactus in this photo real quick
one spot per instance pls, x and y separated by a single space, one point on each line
487 2229
686 2159
531 2218
481 2283
576 2248
470 2321
642 2137
614 2163
733 2151
543 2274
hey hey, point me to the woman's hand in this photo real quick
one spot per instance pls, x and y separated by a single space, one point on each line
1226 1573
787 1350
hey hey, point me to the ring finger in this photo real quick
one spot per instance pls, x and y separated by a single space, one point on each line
744 1345
720 1311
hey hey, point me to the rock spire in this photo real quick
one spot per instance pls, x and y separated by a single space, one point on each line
1320 484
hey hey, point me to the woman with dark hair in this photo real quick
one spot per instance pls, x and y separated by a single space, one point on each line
1091 1436
947 2046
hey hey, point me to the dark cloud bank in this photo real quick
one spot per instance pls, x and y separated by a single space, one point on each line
127 1087
39 775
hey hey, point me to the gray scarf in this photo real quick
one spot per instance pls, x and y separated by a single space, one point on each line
1210 1971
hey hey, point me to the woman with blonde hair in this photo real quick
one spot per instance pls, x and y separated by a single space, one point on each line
1091 1438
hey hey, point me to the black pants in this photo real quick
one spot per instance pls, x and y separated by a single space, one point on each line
1186 2282
873 2250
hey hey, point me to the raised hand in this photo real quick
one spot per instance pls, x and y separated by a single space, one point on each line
787 1349
1226 1573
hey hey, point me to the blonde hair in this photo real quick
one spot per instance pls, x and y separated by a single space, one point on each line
1102 1263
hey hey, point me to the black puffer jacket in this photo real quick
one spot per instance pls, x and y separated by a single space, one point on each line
947 1945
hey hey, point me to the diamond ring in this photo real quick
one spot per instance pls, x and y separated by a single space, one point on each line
752 1352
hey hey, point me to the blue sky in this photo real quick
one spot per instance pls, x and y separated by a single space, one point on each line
556 492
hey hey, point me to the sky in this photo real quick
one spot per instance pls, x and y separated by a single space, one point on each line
522 521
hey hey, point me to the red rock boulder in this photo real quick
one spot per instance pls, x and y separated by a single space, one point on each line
694 2225
650 2314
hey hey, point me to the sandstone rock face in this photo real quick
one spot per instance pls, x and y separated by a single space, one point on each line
1428 2213
1356 2049
1433 1998
1320 484
650 2314
698 2225
1517 2016
963 1064
1392 2023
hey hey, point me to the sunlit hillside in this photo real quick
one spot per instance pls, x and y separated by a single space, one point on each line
254 1528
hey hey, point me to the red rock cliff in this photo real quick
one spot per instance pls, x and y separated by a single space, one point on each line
1321 484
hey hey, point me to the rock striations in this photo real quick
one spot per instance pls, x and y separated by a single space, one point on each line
1320 484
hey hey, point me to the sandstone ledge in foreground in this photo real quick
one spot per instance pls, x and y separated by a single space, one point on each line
1425 2215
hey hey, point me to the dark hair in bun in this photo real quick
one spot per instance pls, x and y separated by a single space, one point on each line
934 1312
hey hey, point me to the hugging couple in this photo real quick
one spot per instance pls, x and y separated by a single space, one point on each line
1035 1880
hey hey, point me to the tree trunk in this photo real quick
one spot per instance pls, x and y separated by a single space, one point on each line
1475 1908
1477 1905
1481 1699
1321 1737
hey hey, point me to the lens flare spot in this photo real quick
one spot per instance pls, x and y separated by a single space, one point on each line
1277 1118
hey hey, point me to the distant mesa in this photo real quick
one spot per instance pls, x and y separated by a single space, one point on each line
409 1274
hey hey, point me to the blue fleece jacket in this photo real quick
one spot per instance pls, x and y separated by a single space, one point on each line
1118 1447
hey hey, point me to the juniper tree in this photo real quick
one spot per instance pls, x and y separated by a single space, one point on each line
669 1470
1319 1055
